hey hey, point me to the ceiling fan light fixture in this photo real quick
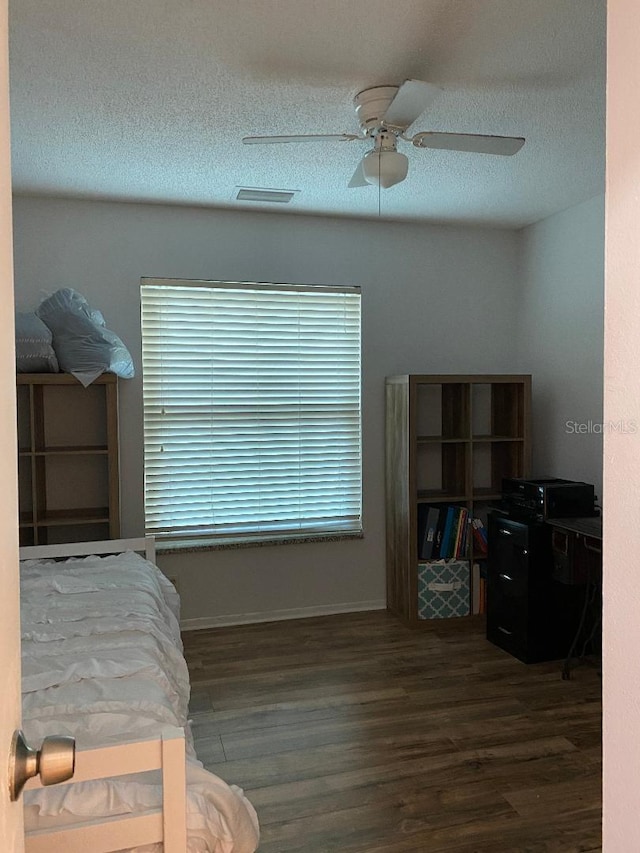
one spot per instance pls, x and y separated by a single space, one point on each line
385 168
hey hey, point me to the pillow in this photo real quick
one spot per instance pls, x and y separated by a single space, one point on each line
34 353
84 347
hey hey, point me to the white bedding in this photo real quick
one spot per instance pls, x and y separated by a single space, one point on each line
102 661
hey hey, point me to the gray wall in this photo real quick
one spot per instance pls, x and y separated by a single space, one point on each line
560 338
435 299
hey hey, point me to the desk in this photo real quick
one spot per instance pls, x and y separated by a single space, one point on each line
576 545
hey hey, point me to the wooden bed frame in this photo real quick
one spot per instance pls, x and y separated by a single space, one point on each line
143 544
165 753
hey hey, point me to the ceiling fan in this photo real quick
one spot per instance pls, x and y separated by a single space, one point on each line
385 113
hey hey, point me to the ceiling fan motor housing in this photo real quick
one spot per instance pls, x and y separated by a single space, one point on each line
371 105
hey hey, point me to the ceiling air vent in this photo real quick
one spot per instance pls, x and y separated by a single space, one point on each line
254 194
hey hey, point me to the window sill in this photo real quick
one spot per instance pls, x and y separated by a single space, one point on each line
188 546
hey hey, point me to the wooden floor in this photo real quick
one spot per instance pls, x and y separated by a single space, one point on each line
352 733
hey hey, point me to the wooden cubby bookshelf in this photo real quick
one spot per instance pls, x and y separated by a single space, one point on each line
450 439
68 469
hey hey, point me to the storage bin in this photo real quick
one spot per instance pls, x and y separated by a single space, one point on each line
443 589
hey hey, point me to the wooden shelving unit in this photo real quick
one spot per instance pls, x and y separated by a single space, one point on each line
68 467
449 440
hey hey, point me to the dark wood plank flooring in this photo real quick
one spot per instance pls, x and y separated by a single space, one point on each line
352 734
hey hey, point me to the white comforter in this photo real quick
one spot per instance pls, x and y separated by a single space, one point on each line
102 661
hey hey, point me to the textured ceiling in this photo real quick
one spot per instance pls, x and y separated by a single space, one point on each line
148 101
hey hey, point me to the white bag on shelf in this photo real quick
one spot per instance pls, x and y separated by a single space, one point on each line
34 352
82 343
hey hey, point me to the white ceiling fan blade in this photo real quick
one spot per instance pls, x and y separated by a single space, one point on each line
358 179
311 137
472 142
410 101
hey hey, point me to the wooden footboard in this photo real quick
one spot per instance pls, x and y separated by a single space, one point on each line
167 824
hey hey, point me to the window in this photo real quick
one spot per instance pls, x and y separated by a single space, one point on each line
251 410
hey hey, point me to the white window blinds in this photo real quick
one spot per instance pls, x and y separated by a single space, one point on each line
251 409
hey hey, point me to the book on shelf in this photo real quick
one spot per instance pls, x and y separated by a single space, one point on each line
475 587
443 532
423 510
467 536
480 541
446 535
479 580
482 596
428 517
457 531
460 549
479 588
437 547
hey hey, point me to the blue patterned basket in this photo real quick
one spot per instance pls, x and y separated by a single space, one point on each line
443 589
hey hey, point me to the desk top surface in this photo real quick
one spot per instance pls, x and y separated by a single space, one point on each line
585 526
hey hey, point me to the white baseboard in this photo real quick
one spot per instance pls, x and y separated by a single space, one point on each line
201 622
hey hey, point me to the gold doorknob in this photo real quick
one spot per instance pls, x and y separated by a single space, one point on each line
54 762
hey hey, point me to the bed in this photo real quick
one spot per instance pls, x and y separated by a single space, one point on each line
102 661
